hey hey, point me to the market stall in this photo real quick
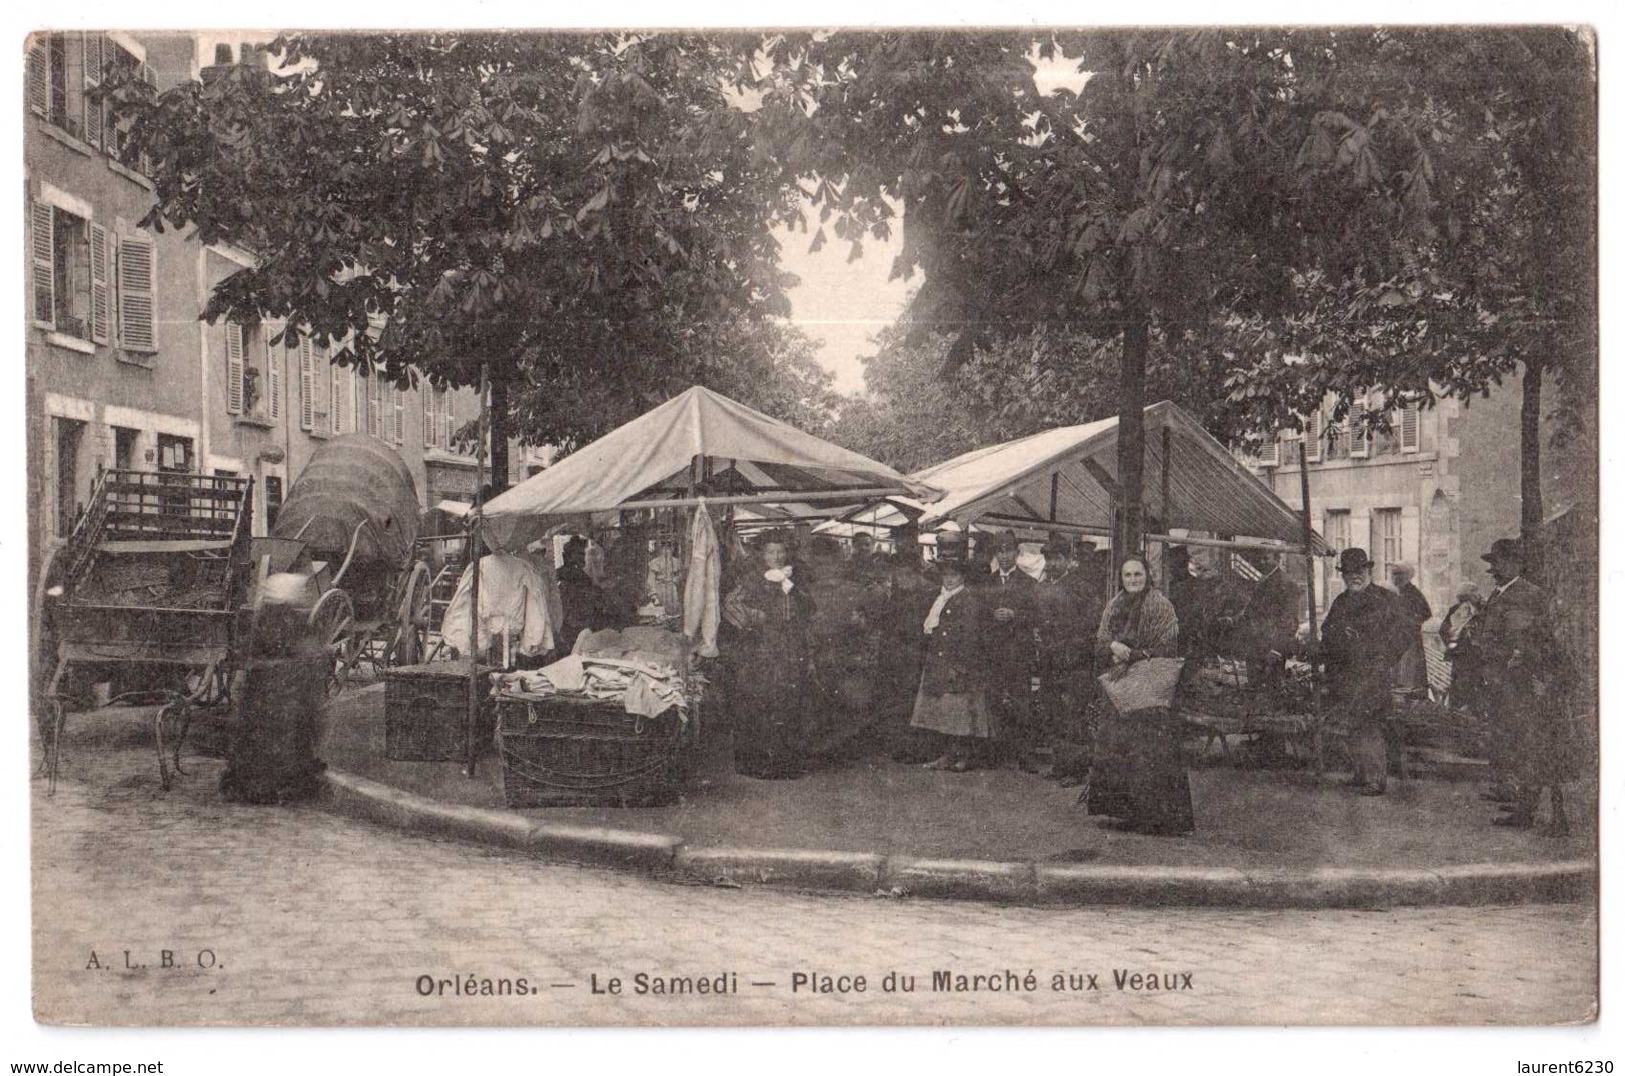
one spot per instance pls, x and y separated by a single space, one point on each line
1063 482
675 487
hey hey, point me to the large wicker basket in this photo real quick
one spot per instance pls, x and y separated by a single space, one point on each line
567 752
426 712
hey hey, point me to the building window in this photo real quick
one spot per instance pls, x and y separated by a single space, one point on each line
1337 529
1386 541
253 373
336 404
273 500
70 259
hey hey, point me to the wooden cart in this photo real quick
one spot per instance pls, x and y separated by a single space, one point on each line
148 593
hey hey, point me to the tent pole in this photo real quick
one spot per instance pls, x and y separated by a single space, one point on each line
471 718
1308 533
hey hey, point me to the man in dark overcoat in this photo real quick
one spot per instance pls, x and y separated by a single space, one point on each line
1011 652
1522 688
1362 638
1266 627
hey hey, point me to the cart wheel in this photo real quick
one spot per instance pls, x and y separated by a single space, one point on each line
333 620
43 667
208 687
168 717
413 634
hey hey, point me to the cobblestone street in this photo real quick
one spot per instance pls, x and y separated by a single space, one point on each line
312 919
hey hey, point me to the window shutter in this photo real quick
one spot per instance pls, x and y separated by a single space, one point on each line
1311 437
1270 454
39 75
375 387
335 396
95 60
400 414
426 391
358 401
1410 428
1359 436
442 418
307 384
42 243
234 368
136 291
273 379
101 309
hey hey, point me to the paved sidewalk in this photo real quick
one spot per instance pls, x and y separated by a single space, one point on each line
315 919
1245 818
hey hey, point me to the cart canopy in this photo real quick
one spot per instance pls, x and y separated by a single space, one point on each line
747 456
351 479
1067 476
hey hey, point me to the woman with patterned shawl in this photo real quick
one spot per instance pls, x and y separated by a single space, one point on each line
1138 774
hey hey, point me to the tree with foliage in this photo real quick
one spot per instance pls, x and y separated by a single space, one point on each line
1205 188
1504 277
587 214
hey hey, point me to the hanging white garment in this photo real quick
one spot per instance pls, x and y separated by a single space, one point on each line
702 600
514 597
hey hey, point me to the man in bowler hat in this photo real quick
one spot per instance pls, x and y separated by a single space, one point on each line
1528 723
1362 638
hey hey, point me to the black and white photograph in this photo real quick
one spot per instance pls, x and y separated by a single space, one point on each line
1003 524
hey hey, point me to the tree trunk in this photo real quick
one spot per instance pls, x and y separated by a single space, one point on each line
1128 529
499 434
1533 509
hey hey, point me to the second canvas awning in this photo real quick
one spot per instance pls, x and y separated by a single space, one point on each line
1068 476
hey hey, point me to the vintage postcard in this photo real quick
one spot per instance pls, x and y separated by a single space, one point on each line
1058 526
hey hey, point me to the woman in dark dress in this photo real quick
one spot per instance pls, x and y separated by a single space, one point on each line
1138 774
771 676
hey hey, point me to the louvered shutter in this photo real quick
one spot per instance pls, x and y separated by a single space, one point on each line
1410 428
442 418
307 384
1311 437
39 75
95 60
101 298
137 288
1270 454
400 415
426 391
273 379
375 425
335 397
1359 436
42 244
234 368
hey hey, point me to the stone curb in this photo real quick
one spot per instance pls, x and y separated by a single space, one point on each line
1011 883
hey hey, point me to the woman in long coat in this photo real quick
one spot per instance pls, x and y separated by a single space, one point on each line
771 673
1138 774
953 697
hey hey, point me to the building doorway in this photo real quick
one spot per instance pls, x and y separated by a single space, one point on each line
68 437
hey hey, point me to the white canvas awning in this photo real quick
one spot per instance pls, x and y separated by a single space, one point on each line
734 453
1065 478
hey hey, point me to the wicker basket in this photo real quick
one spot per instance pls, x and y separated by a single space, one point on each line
565 752
426 713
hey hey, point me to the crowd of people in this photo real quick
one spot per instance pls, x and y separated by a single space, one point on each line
1030 655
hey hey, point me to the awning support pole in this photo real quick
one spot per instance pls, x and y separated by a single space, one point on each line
1308 533
471 718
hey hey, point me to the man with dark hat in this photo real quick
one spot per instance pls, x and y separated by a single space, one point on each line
1528 724
1362 638
1011 651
